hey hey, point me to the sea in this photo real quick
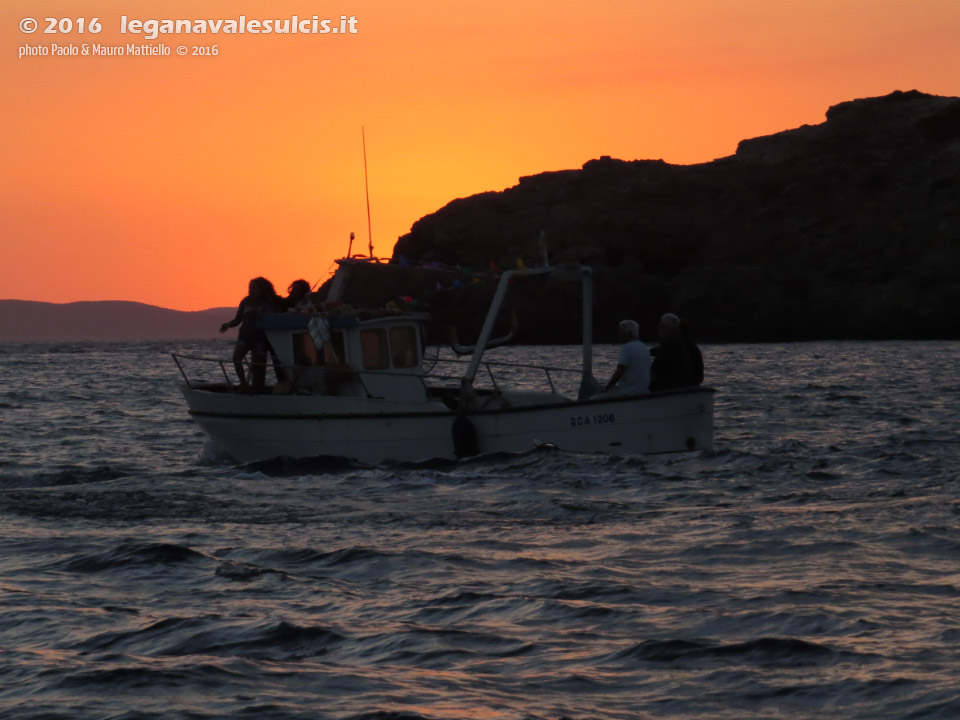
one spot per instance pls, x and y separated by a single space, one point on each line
808 566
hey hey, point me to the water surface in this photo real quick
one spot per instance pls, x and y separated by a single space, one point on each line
808 566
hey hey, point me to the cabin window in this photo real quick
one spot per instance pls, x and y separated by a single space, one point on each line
403 347
373 344
306 354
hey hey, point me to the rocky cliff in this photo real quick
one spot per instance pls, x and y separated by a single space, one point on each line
846 229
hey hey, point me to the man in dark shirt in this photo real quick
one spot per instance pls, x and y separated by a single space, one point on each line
677 361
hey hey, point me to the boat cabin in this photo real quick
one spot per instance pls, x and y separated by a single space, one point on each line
377 355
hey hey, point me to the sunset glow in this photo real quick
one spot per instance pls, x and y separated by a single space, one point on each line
173 180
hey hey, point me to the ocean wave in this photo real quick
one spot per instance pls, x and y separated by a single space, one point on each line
353 556
296 467
573 589
776 651
436 648
118 673
67 475
388 715
132 554
244 572
215 635
940 709
277 640
293 557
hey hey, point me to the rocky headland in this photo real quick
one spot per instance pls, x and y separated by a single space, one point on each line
843 230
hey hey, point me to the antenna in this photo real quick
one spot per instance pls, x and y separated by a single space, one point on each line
366 186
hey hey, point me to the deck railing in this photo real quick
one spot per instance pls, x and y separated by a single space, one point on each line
177 358
440 370
500 373
248 365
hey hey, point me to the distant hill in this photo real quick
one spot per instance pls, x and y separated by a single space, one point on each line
27 321
845 229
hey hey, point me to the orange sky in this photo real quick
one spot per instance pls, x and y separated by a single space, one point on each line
173 180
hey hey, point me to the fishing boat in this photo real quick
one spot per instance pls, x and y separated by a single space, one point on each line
359 383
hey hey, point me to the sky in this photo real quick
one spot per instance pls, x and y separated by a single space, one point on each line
174 179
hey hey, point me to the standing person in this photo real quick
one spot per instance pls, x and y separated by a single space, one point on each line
260 298
632 376
677 361
273 303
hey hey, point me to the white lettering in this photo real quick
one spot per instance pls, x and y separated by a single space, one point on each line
108 50
152 28
33 50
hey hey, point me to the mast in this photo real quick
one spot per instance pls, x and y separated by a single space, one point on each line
366 186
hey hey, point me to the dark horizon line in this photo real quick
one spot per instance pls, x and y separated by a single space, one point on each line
129 302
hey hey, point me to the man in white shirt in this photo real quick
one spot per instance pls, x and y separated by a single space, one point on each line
632 376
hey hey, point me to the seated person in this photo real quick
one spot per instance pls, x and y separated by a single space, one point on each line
632 376
677 361
299 299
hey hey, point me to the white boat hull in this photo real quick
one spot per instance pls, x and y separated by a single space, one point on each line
260 427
